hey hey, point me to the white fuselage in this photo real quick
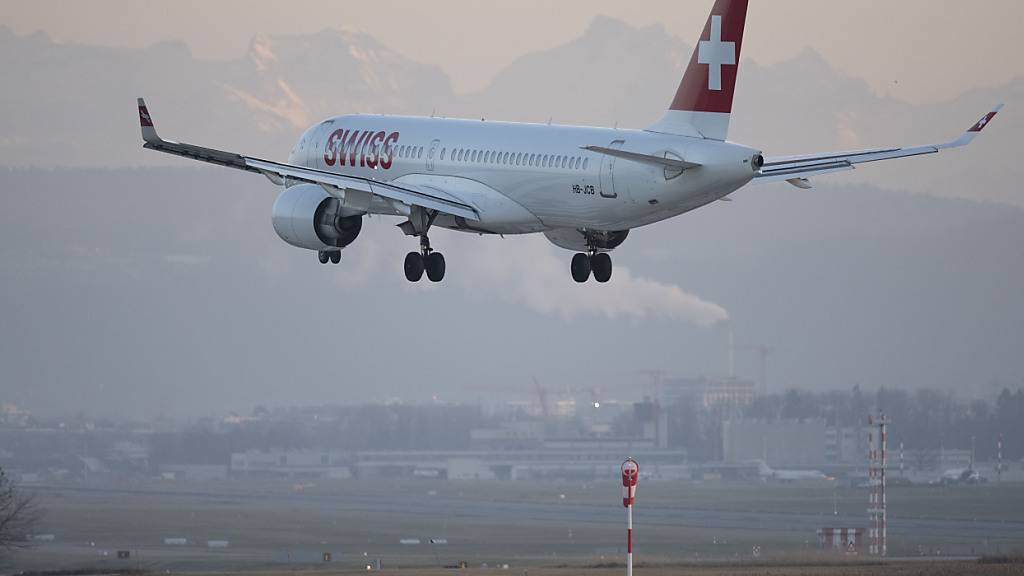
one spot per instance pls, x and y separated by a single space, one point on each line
526 178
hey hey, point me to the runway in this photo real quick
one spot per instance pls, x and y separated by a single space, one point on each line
270 523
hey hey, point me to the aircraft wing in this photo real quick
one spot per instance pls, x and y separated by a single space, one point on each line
332 183
796 169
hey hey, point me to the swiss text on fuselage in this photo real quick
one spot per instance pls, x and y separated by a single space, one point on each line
367 148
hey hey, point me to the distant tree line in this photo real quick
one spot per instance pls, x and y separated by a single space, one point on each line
367 427
922 419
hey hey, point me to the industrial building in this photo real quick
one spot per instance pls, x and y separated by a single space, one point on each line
786 443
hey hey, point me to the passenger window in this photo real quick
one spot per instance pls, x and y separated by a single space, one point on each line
419 153
585 162
565 160
473 156
533 158
442 153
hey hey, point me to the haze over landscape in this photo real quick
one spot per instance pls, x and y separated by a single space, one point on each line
802 381
140 283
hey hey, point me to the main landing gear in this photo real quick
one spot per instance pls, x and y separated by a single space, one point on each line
426 260
333 256
598 263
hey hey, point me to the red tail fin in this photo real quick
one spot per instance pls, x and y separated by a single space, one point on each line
710 79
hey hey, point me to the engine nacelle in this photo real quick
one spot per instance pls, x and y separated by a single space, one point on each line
307 217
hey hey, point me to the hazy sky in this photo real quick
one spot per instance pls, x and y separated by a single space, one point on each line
917 50
165 290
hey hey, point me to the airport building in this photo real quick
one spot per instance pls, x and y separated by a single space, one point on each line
798 444
708 392
846 445
583 459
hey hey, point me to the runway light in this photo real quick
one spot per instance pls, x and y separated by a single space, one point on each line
597 404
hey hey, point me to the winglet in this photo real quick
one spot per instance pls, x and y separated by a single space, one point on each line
974 130
146 122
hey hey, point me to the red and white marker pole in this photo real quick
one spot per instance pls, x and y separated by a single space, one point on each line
630 474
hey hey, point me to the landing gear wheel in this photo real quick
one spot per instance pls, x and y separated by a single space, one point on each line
323 256
434 264
335 257
601 264
413 266
580 267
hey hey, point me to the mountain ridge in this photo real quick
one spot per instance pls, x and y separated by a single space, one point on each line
75 109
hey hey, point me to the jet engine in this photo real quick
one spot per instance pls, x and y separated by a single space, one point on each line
306 216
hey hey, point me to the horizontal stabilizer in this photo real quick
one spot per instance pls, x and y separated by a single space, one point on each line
796 169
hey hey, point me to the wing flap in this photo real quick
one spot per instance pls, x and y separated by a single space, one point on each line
431 199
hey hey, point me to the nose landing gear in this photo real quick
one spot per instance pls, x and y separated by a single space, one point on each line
333 257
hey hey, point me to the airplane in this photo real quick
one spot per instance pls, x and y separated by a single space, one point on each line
960 476
768 473
584 188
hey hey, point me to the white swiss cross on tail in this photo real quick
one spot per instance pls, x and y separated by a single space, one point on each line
703 100
716 53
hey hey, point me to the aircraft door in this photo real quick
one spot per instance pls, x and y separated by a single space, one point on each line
432 152
608 171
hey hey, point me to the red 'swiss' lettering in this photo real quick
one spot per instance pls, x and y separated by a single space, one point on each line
368 148
373 145
364 139
349 148
388 150
331 152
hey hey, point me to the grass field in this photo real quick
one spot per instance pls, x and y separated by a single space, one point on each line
528 525
981 502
